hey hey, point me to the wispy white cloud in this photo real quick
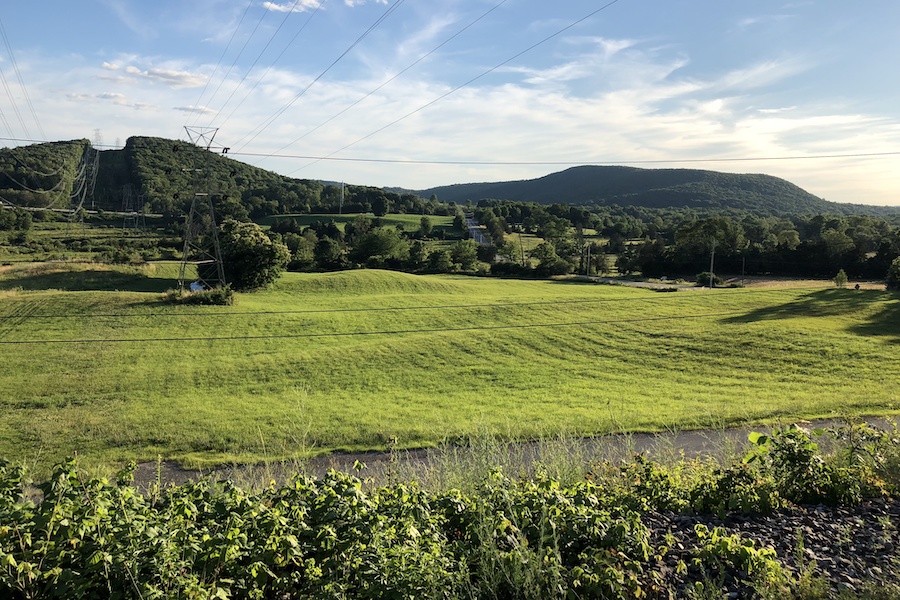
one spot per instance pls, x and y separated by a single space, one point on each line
298 6
172 77
201 110
747 22
763 74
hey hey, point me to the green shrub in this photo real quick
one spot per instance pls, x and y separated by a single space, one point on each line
223 296
703 279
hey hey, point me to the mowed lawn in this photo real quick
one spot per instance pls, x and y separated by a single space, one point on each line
363 359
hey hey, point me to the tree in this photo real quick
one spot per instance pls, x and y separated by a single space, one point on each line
465 254
439 261
250 258
379 246
329 254
892 281
425 226
840 280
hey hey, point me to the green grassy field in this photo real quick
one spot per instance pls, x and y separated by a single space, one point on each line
354 360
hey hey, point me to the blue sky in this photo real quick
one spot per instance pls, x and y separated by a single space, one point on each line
651 83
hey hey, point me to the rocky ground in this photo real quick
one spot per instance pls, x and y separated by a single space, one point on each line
851 550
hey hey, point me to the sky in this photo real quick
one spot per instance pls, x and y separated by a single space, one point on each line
421 93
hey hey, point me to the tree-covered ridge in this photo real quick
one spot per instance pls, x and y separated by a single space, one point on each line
656 188
40 175
167 172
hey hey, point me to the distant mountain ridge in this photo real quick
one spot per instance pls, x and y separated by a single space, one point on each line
655 188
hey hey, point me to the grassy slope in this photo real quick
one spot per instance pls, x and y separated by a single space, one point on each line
712 359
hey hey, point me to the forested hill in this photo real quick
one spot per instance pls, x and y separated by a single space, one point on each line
166 173
163 174
41 174
655 188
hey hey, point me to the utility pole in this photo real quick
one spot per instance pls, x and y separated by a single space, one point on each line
201 236
341 205
522 248
712 260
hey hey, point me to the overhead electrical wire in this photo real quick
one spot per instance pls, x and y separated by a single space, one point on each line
566 163
530 162
268 122
5 122
431 330
219 62
413 64
271 39
18 72
12 101
472 80
380 309
236 58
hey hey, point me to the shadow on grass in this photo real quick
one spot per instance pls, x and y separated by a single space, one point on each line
87 280
837 302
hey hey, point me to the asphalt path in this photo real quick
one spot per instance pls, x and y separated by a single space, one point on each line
380 466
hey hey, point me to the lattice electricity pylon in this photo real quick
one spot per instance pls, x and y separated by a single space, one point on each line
133 217
201 237
83 185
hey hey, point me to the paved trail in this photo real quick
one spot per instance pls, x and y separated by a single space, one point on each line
690 444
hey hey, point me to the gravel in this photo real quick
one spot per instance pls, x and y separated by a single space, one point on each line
849 548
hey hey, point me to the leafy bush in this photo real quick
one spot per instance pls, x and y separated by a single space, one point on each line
840 280
703 279
335 537
892 279
250 258
223 296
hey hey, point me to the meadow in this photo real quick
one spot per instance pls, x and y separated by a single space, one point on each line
96 362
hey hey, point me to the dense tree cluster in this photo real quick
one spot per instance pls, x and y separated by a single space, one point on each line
165 174
368 242
680 242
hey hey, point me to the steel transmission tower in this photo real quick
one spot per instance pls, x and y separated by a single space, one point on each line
201 238
132 209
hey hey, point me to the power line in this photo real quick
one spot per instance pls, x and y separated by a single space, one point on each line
236 58
504 305
265 124
219 62
331 157
370 333
474 79
416 62
488 163
12 101
271 39
18 72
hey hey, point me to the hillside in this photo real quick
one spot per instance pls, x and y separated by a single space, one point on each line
165 173
41 174
655 188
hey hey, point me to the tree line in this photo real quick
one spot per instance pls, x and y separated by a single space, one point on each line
682 242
